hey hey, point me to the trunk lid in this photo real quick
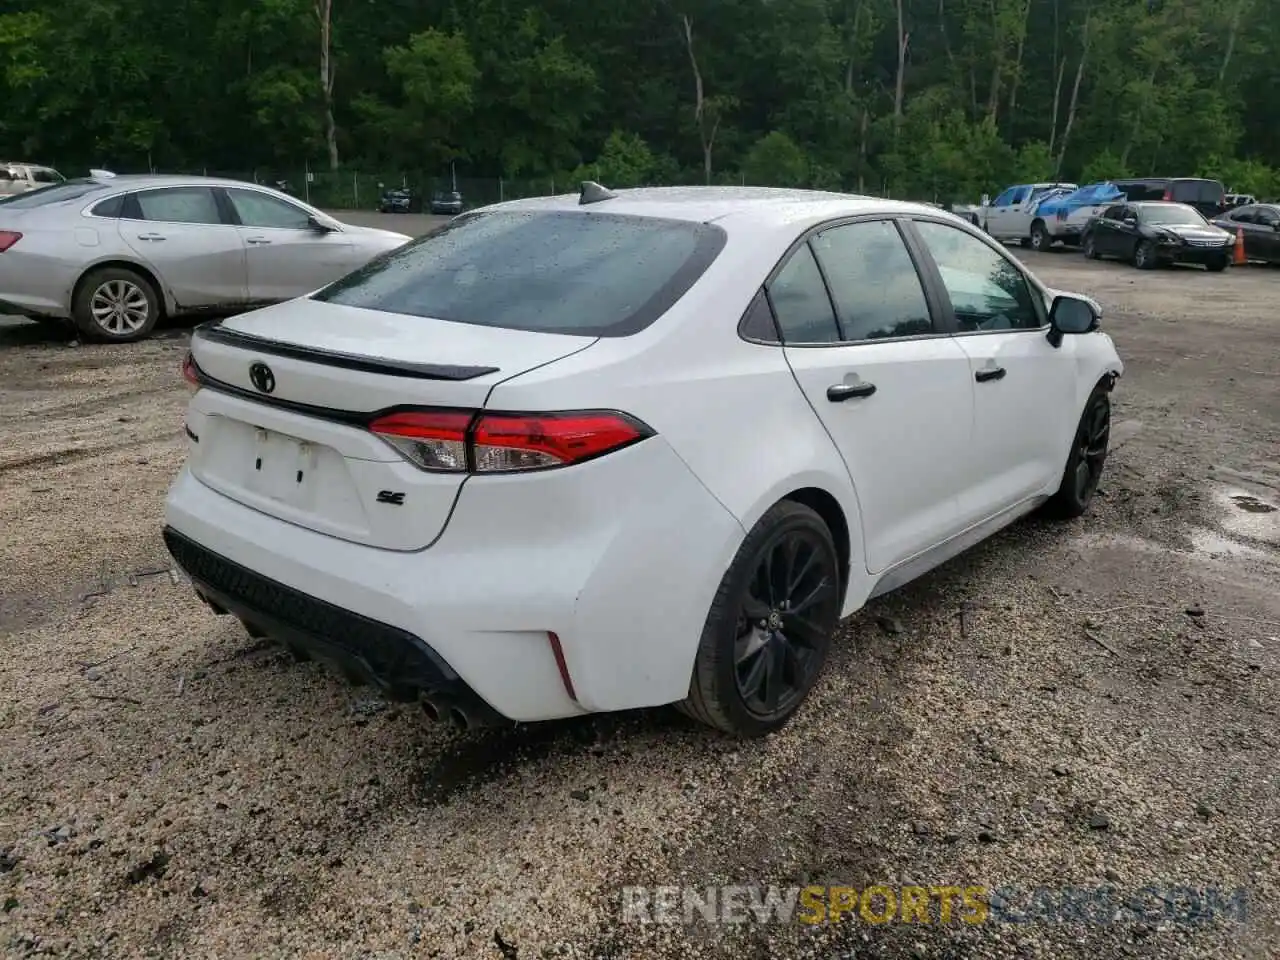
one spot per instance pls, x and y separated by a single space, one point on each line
282 428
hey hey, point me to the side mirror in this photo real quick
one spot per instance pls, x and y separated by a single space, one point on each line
320 226
1131 221
986 200
1072 315
1275 225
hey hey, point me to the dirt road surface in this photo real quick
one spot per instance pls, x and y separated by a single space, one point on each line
1104 714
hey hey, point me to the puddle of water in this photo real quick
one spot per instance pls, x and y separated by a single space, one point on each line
1251 504
1247 515
1216 545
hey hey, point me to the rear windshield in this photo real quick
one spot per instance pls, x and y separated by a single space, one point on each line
584 273
1197 191
57 193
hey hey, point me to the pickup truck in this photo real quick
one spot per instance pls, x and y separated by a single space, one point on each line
1009 216
1062 218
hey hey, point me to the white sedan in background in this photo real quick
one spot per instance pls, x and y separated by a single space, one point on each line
114 254
615 450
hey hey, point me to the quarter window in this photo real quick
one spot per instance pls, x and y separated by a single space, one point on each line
987 291
800 301
178 205
111 207
262 210
873 281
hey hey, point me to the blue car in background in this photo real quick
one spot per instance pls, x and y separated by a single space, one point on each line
1062 219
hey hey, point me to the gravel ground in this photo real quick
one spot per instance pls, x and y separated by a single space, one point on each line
1103 714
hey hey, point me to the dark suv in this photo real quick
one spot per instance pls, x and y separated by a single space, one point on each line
1207 196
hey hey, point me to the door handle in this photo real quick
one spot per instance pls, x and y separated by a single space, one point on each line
991 373
840 392
257 241
150 236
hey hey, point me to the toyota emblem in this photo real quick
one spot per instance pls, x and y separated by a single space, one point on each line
262 377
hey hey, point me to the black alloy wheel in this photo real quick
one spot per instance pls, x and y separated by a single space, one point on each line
770 626
785 623
1087 459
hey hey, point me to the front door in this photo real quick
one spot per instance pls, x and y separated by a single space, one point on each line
179 232
891 389
287 256
1023 387
1110 233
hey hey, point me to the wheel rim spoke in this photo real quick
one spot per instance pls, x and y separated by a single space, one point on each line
787 616
119 307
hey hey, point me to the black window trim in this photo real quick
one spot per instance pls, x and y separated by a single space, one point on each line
918 257
1039 293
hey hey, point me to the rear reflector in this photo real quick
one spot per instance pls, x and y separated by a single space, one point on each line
7 239
460 441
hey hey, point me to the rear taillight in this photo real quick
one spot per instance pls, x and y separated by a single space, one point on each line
190 372
7 239
459 441
1168 195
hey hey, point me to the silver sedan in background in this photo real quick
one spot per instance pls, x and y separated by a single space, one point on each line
113 254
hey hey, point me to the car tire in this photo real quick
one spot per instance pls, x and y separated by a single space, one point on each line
1144 256
1217 266
1040 241
757 659
1089 447
115 305
1089 247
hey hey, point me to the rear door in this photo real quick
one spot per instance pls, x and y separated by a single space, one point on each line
1024 387
286 256
181 234
891 389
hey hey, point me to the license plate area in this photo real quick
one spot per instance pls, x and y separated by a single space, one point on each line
281 467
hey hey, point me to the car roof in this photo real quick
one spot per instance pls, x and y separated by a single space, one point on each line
776 205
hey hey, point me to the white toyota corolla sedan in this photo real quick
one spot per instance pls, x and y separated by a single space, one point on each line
612 450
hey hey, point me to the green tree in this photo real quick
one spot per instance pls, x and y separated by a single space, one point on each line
775 160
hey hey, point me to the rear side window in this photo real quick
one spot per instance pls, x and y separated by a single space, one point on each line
5 174
1245 215
800 301
582 273
55 193
178 205
110 208
40 175
873 281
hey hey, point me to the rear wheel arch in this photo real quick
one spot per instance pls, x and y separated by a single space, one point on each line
828 508
146 274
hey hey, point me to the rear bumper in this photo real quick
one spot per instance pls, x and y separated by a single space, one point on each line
32 284
619 558
371 652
